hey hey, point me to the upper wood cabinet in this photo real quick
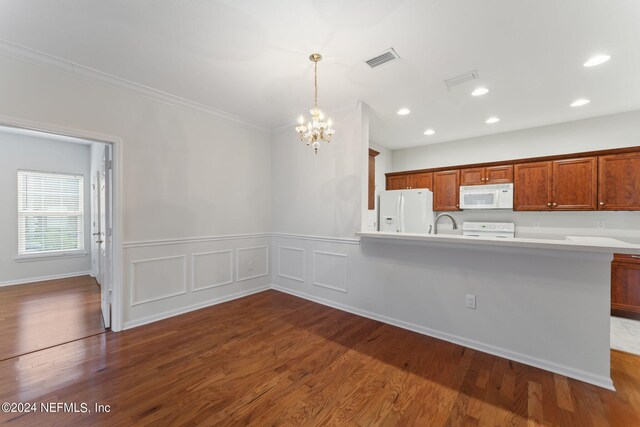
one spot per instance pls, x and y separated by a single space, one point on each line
619 182
487 175
397 182
409 181
575 184
568 184
420 180
446 190
532 186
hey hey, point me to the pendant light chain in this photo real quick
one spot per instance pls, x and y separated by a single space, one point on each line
315 83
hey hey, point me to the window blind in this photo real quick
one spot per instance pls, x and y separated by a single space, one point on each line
50 212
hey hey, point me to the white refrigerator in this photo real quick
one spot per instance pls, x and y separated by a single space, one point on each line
406 211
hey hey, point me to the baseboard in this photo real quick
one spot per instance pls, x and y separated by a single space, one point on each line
166 314
44 278
604 382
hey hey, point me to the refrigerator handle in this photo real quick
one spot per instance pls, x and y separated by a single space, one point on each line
402 212
398 214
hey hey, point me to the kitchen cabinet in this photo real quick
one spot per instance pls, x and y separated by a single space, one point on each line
446 190
575 185
625 286
409 181
420 180
532 186
567 184
398 182
619 182
487 175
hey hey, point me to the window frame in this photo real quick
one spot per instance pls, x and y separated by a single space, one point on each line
22 214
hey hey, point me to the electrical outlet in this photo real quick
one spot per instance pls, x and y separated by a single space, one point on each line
471 301
600 223
250 266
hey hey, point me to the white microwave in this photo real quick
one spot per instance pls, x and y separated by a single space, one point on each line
498 196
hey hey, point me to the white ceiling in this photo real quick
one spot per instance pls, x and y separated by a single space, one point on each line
249 58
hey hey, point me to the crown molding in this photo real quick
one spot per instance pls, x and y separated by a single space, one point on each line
335 112
42 59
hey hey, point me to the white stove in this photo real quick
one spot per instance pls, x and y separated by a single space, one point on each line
497 230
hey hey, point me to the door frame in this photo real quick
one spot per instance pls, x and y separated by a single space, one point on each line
116 142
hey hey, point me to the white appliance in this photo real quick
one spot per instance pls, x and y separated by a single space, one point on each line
406 211
497 230
497 196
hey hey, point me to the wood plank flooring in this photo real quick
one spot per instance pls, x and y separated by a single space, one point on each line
274 359
38 315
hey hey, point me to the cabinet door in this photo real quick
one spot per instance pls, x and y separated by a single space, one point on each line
619 182
625 286
532 186
397 182
574 184
472 176
498 174
421 180
446 190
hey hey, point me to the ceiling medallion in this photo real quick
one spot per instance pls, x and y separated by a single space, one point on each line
317 130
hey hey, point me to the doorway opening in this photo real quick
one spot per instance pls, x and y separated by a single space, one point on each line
59 280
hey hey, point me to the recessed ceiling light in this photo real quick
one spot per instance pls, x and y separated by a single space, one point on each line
403 111
580 102
597 60
491 120
480 91
429 132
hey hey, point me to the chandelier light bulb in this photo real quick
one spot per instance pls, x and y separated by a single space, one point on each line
301 120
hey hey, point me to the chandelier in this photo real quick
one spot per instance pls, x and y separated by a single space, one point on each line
317 130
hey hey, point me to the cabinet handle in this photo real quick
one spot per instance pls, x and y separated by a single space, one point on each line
635 256
601 203
555 204
549 204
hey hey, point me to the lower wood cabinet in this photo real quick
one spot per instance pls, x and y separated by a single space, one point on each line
625 286
446 190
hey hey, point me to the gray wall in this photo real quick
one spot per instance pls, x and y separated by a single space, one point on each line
38 154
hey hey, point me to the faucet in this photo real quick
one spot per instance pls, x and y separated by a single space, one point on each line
435 222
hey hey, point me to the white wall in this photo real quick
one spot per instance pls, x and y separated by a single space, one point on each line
187 175
38 154
614 131
320 194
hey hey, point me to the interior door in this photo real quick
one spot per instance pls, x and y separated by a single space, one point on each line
103 239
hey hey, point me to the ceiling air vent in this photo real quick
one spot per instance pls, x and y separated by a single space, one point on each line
386 56
462 78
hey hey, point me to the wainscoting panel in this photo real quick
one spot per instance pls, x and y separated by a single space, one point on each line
167 274
211 269
252 262
291 262
173 276
330 270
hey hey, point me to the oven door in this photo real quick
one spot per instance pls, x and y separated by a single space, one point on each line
478 198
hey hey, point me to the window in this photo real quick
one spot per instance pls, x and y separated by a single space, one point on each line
50 213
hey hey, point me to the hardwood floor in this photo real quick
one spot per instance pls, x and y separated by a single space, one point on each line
39 315
274 359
